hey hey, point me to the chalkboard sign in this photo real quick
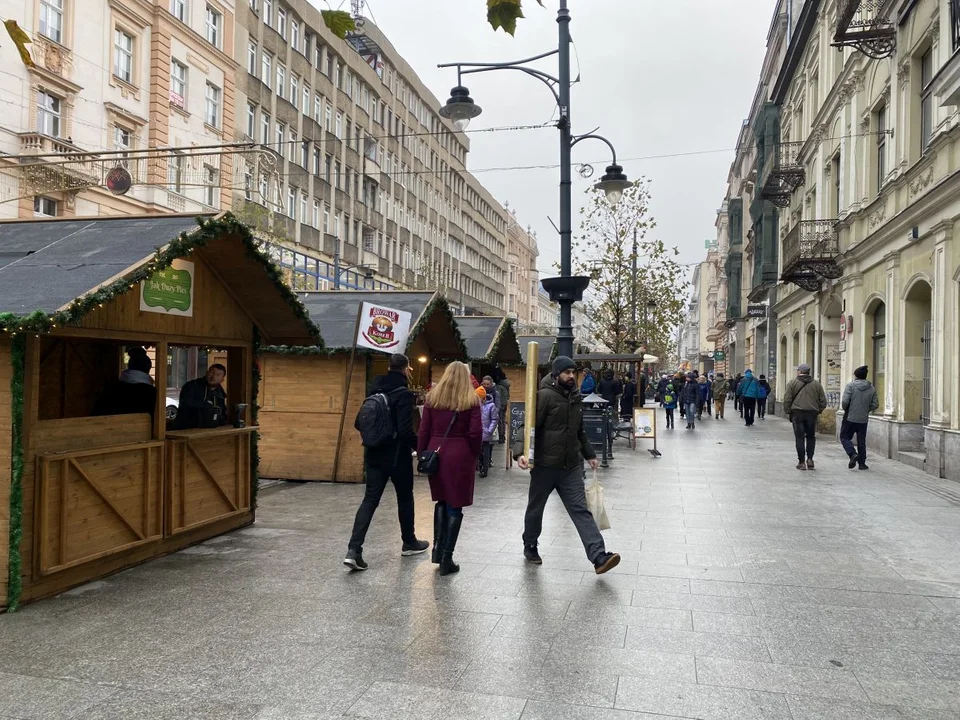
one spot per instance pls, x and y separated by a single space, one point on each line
518 411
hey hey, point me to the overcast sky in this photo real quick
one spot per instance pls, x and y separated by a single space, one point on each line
658 77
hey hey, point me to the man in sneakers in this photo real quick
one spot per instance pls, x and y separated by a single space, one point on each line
859 400
391 461
803 401
560 447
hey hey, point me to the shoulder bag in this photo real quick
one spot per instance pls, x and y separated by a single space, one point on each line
428 462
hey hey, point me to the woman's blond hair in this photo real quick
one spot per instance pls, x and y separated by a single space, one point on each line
454 391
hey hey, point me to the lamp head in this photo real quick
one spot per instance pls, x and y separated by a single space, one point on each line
613 183
460 108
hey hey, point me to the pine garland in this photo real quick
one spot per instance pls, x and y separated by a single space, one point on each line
14 586
209 229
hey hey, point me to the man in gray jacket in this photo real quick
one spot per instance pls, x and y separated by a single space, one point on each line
859 400
803 402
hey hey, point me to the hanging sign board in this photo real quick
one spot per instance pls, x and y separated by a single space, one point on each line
169 291
382 328
756 311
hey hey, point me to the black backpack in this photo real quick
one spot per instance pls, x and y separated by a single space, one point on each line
375 420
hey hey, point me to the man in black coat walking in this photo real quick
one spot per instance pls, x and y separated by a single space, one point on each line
391 461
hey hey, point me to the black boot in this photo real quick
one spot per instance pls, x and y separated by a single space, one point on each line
451 531
439 514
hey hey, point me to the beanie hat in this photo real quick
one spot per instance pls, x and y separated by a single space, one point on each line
860 373
139 360
563 363
803 368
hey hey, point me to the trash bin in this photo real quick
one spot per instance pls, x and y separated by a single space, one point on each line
596 424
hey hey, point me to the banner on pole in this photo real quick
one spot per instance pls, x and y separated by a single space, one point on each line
382 328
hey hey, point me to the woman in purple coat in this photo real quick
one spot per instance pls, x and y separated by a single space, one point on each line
452 404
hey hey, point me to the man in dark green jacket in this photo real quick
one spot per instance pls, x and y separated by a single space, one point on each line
560 447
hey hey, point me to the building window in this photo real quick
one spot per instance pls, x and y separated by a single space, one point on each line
337 168
123 56
268 12
338 128
122 139
175 173
881 146
328 118
248 183
252 58
51 19
295 35
306 100
328 168
282 22
292 146
211 186
211 114
264 128
926 99
281 134
178 84
294 89
266 64
326 219
316 108
304 218
214 25
44 207
292 201
281 79
880 349
49 118
316 213
178 8
316 161
305 154
251 120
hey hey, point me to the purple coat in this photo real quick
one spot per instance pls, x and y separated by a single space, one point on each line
489 417
453 483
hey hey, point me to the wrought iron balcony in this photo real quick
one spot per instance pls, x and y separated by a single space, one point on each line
860 25
782 173
810 252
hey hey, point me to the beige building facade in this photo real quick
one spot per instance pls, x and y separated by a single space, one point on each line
523 279
142 85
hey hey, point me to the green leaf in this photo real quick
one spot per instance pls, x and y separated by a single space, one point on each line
340 22
504 14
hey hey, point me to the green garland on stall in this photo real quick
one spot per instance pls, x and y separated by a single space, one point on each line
14 586
254 415
208 229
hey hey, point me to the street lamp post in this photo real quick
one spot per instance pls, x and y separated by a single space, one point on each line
461 109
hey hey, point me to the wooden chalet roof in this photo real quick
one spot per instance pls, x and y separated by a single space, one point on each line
545 351
490 339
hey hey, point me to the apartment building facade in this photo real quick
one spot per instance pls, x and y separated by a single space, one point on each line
359 171
523 279
139 85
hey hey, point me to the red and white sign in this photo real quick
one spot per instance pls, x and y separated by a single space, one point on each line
383 328
843 328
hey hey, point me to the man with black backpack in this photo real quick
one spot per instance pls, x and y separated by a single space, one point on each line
385 422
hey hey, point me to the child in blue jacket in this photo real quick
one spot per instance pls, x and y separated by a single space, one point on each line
670 401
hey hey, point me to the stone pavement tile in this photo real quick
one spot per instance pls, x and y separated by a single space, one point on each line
140 705
897 663
689 601
689 700
931 694
621 661
809 579
699 644
832 615
595 593
396 701
35 698
746 590
786 679
537 710
694 572
746 625
294 712
545 575
436 670
857 598
579 688
945 667
933 620
508 651
568 633
630 615
812 708
910 587
640 582
467 584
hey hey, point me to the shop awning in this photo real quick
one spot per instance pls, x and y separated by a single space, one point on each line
57 270
490 339
545 351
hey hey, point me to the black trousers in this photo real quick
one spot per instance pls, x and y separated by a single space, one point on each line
377 478
570 488
847 432
748 407
805 432
669 412
486 456
502 426
761 407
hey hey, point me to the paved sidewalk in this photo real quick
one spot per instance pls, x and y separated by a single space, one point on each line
747 590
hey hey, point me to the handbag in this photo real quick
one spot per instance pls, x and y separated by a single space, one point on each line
428 462
595 503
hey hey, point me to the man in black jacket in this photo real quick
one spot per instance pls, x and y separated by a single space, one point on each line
201 398
391 461
560 447
609 389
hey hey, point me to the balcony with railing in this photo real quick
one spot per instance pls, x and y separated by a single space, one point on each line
782 173
860 24
810 252
47 171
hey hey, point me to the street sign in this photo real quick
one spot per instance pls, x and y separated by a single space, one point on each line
756 311
718 355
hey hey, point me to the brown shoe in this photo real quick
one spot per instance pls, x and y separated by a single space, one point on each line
810 464
801 466
606 562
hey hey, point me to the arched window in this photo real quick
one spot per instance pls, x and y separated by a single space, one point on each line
879 356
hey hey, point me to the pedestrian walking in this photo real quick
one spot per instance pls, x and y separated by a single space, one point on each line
503 391
390 460
765 391
703 395
803 401
560 447
643 382
749 391
670 401
661 388
734 384
710 395
628 397
589 383
452 427
719 395
859 400
689 397
489 419
610 388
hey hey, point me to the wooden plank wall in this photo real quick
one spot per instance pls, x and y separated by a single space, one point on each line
301 400
6 400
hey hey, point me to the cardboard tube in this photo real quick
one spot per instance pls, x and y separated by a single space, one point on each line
533 382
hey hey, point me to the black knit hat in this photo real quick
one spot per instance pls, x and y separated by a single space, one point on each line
563 363
861 372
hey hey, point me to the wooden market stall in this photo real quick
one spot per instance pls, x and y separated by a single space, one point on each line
303 389
90 494
492 342
546 350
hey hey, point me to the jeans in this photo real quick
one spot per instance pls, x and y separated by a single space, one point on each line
486 456
377 477
847 432
805 432
719 403
761 407
748 406
570 488
691 413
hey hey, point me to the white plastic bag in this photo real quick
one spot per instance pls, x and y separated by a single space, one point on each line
595 503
